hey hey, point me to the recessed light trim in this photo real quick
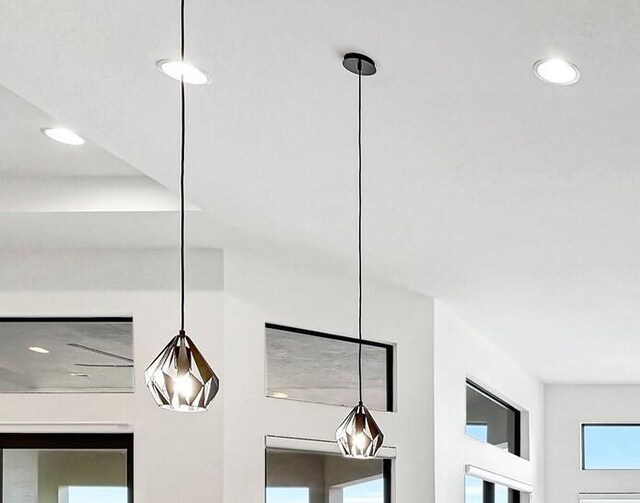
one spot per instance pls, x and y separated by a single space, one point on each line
63 135
176 69
38 349
556 71
78 374
279 394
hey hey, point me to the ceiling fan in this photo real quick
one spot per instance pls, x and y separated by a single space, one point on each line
128 364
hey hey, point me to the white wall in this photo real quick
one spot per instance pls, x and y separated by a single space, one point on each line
221 453
567 406
229 302
145 284
260 290
461 353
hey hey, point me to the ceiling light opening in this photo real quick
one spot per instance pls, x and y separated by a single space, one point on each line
38 349
179 69
556 71
63 135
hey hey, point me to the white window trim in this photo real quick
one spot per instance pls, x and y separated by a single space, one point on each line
311 445
71 427
595 497
496 478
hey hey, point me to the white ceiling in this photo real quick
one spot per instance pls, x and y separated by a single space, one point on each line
514 201
38 175
26 153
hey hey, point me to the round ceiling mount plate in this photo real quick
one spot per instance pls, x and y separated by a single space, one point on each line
350 62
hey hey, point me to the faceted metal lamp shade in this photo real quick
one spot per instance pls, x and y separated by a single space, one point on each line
359 436
180 378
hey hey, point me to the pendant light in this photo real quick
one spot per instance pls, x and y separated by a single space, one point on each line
180 378
359 436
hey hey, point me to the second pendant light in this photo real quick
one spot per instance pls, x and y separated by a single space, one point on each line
359 435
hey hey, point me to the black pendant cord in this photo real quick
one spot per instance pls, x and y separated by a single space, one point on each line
360 229
182 103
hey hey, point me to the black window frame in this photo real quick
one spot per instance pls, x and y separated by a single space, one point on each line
387 471
66 319
489 493
64 441
583 426
389 353
517 448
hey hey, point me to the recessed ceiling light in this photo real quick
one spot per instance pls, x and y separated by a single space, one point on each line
38 349
78 374
279 394
178 69
63 135
556 71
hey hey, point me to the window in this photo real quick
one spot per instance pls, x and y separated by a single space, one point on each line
62 355
287 495
92 494
68 468
611 446
322 368
311 477
492 420
371 491
481 491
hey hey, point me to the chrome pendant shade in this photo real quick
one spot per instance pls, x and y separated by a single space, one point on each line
359 435
180 378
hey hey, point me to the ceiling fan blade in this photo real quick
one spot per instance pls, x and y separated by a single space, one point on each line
104 365
99 351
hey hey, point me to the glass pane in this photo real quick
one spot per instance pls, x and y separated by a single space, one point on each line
501 494
80 494
479 431
490 421
320 369
609 447
473 490
308 477
287 495
50 355
371 491
64 476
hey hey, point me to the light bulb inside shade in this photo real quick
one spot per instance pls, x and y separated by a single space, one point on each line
63 135
179 69
360 441
556 71
184 387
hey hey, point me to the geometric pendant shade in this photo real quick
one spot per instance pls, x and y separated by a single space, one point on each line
359 436
180 378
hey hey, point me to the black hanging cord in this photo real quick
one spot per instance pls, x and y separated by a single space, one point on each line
360 229
182 102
